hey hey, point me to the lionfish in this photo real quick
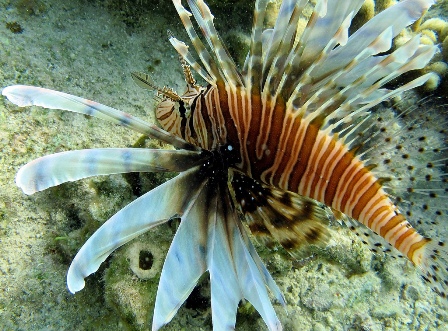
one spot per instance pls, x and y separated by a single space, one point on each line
280 145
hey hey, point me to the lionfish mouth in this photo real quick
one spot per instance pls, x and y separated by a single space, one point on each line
282 144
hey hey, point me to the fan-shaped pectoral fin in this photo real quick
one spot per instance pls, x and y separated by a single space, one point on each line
168 200
55 169
210 237
252 276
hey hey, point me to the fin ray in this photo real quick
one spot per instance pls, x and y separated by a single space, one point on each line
24 95
293 220
155 207
55 169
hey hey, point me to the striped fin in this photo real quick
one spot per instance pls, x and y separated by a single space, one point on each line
326 26
327 91
286 21
347 106
204 18
366 89
281 42
211 238
384 96
372 69
206 59
23 95
253 64
182 49
55 169
293 88
396 17
322 85
417 61
292 220
323 32
187 253
327 86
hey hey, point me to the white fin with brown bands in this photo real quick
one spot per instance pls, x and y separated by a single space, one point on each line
396 17
204 55
253 64
183 51
204 18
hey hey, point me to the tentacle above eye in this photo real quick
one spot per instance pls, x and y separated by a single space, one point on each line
23 95
55 169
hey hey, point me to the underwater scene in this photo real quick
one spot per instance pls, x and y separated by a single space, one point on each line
266 165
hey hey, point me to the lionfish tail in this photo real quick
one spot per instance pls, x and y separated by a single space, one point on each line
433 262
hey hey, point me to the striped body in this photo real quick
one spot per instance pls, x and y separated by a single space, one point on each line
294 116
292 154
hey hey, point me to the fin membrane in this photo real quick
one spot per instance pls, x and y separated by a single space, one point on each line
295 221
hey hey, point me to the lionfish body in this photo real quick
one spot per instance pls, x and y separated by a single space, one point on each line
279 142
